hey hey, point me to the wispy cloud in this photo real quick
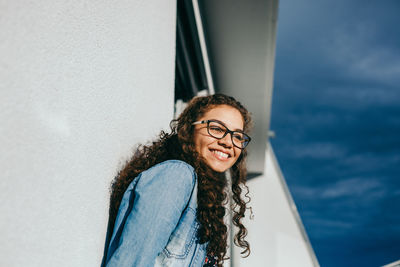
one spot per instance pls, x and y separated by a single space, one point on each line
316 150
370 161
356 49
356 96
367 188
330 227
354 187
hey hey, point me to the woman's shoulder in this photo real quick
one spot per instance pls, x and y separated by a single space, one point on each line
173 164
172 171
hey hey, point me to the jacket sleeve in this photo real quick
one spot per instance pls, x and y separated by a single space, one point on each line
161 195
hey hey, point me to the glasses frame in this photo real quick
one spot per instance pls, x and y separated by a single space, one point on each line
226 132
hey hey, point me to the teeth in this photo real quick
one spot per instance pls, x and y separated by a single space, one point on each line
221 154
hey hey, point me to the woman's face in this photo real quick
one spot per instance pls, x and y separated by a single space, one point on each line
219 154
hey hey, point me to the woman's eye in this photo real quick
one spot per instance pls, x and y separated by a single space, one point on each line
216 129
238 137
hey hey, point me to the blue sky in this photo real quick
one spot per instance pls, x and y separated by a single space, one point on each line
336 114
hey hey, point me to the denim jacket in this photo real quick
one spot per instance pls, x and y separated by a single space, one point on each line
156 223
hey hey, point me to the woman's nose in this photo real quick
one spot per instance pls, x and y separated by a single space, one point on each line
226 141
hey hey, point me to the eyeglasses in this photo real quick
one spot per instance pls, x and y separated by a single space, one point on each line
217 130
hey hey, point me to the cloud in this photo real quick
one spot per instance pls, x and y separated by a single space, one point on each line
376 162
355 187
370 189
316 150
356 49
330 226
354 96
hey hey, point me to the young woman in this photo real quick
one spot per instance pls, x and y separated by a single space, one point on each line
167 203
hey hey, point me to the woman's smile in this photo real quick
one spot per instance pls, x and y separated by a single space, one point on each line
220 155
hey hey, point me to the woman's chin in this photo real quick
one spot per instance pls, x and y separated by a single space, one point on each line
218 166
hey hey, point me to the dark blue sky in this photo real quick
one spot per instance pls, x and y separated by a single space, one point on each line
336 114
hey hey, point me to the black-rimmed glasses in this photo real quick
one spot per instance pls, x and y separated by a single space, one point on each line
218 130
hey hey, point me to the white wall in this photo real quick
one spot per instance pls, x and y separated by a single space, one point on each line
275 236
81 82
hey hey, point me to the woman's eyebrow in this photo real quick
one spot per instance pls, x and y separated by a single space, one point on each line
236 130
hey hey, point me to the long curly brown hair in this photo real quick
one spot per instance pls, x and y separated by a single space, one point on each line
179 144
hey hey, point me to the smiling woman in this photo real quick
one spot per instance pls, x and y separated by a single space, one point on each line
212 140
166 206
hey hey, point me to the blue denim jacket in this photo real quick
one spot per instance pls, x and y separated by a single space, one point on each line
156 223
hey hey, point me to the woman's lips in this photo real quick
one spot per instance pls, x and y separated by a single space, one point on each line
220 155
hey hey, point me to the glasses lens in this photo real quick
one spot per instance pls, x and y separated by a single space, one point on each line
216 129
240 139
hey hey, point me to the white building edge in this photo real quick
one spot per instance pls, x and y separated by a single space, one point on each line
83 82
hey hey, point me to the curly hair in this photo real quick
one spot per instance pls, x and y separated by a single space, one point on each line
211 196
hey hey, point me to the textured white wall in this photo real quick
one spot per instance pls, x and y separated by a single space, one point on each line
275 237
81 82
